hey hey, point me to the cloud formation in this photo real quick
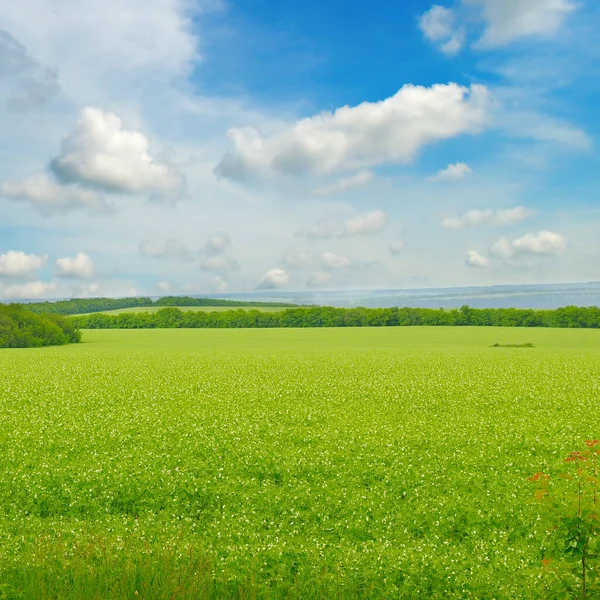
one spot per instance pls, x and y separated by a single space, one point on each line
330 260
477 260
50 198
360 179
31 290
79 267
476 217
365 224
17 264
372 133
169 249
503 21
99 153
32 85
453 172
274 278
438 24
217 244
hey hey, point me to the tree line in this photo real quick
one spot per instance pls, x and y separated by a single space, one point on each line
79 306
21 328
324 316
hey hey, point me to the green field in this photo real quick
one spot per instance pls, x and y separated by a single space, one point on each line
313 463
153 309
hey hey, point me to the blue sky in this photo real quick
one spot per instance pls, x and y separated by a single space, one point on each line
222 146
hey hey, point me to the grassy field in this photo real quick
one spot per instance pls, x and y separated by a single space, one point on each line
153 309
314 463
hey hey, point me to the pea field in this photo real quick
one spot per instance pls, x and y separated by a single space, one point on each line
313 463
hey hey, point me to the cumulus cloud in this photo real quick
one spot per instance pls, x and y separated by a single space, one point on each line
165 249
319 279
372 133
503 21
438 24
101 154
164 287
540 243
453 172
31 290
79 267
347 183
477 260
365 224
220 263
543 242
32 85
476 217
17 264
330 260
49 198
273 279
397 247
217 244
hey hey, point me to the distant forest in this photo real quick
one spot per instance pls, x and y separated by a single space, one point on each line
20 328
569 316
80 306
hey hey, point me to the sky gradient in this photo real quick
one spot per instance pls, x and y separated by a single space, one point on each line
213 146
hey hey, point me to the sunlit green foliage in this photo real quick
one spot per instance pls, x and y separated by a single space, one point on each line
314 463
328 316
20 328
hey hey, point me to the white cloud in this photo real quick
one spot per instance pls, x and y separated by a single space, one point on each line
165 248
477 260
453 172
164 287
503 21
510 216
397 247
275 278
347 183
370 222
220 263
318 279
28 291
101 154
217 244
330 260
101 46
540 243
16 263
390 131
476 217
439 25
510 20
365 224
543 242
219 285
80 267
50 198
